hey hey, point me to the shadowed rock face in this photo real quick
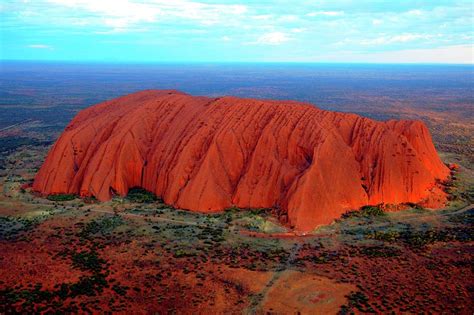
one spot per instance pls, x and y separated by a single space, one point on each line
207 154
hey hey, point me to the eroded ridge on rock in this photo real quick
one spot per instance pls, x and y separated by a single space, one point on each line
207 154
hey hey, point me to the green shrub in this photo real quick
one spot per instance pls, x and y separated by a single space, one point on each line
183 253
418 239
372 211
101 225
359 301
379 251
12 227
90 199
61 197
87 261
388 236
365 212
140 195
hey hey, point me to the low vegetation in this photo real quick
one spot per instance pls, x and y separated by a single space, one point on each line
359 301
102 225
12 227
365 212
140 195
417 239
62 197
38 299
87 261
380 251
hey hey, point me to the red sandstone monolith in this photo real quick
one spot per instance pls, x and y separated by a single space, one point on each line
208 154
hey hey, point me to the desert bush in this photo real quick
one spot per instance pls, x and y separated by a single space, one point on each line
365 212
180 253
140 195
388 236
87 261
61 197
359 301
101 225
418 239
379 251
12 227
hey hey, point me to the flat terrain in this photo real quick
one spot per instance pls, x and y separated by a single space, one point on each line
136 253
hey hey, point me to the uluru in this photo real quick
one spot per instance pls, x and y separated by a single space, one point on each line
208 154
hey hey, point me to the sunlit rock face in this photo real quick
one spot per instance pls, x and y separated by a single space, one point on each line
207 154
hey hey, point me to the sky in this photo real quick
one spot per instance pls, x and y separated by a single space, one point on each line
358 31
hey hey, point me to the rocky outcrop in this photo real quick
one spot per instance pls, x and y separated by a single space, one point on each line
207 154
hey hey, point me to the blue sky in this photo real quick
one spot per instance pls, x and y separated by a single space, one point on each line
378 31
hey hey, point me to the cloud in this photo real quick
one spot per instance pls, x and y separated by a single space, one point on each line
273 38
458 54
367 26
325 13
402 38
298 30
415 12
121 14
288 18
263 17
455 54
377 22
40 46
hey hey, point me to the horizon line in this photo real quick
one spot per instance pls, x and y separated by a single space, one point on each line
182 62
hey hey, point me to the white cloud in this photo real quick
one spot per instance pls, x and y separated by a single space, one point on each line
310 29
273 38
376 22
415 12
288 18
459 54
456 54
298 30
120 14
40 46
402 38
325 13
263 17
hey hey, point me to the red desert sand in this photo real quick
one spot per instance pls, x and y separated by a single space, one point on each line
208 154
